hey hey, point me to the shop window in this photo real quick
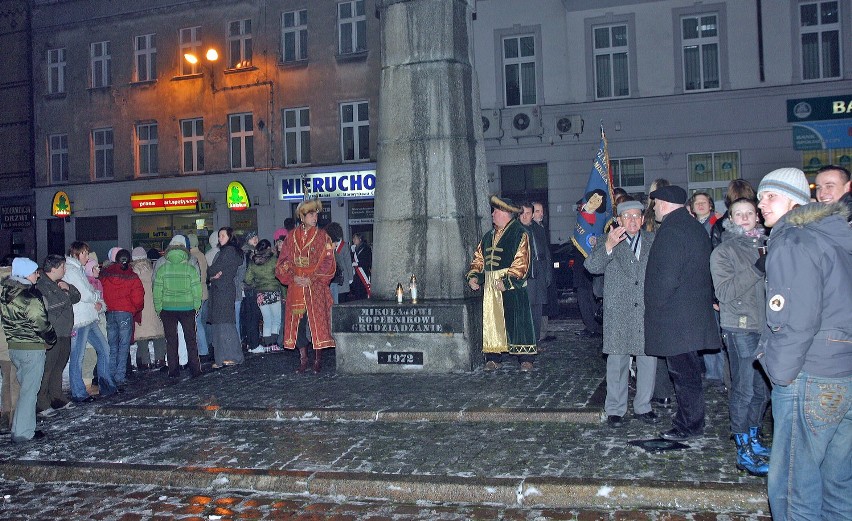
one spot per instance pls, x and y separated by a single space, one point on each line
711 172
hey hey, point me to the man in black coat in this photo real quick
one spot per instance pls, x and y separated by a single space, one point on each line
540 266
679 306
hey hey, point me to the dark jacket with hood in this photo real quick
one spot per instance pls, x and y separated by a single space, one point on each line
59 304
24 315
739 286
808 277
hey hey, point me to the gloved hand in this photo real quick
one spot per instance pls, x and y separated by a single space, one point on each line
760 264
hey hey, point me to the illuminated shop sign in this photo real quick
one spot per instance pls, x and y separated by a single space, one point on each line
162 202
328 185
237 196
61 205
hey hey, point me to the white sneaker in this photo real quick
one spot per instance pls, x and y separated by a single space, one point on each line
258 350
50 412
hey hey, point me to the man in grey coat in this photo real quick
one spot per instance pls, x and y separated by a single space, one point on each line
679 317
622 259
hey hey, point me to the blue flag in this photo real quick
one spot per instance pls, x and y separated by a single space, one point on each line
595 210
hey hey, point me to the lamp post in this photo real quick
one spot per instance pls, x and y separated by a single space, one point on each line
211 56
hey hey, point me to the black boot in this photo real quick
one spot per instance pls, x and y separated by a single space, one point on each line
317 361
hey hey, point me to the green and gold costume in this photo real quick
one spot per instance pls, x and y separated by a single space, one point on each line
507 325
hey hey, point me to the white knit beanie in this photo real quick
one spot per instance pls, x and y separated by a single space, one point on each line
790 182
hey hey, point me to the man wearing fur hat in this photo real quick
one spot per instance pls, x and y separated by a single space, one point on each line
29 335
500 264
806 349
307 265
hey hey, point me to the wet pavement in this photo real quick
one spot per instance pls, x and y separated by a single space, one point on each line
480 445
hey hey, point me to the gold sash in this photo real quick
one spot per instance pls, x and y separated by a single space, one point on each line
494 339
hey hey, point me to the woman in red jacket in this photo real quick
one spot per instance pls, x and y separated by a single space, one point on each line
124 297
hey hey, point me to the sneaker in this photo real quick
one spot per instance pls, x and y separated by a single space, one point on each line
61 405
47 413
274 348
258 350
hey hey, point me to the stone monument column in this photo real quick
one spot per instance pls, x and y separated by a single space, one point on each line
431 205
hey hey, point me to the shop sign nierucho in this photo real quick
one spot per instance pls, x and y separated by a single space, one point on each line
397 319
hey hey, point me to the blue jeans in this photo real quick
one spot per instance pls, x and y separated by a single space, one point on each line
119 331
200 331
810 476
749 387
29 368
90 333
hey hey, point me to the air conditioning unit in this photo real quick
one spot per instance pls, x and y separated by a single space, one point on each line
491 124
525 122
569 125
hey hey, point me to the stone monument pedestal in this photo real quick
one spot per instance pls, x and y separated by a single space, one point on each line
432 336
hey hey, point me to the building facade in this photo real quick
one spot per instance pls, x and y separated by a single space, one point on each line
696 92
17 206
142 131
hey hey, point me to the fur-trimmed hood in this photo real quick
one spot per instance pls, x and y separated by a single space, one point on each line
821 218
736 230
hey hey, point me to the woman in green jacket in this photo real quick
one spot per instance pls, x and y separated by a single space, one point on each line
270 292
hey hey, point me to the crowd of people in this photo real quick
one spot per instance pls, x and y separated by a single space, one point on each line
681 288
244 295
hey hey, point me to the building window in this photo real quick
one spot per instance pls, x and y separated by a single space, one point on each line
56 71
101 64
192 136
190 43
700 52
351 27
239 44
813 160
145 52
712 171
242 140
297 136
819 26
519 70
355 131
147 143
294 36
524 182
629 173
102 148
58 144
612 76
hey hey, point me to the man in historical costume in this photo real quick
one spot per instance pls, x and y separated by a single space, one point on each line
500 265
306 265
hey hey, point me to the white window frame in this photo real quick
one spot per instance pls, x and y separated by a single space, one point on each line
147 148
145 57
192 145
618 177
717 185
241 140
190 43
355 128
57 145
56 70
240 48
103 154
355 23
821 30
294 25
297 136
518 62
702 44
611 51
101 64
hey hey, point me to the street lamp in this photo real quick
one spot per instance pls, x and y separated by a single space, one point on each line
211 56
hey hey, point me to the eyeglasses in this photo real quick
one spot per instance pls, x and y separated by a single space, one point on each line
631 216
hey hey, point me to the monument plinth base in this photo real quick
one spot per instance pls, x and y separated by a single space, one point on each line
432 336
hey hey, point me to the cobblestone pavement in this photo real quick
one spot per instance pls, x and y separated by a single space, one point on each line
262 427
